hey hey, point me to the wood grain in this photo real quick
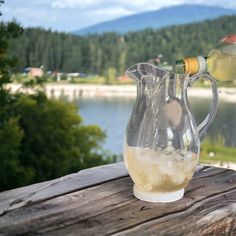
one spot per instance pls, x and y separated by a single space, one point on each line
108 207
20 197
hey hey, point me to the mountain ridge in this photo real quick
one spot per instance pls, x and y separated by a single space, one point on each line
175 15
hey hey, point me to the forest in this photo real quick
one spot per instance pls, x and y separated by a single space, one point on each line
95 54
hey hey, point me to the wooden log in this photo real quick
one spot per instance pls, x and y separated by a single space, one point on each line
19 197
108 207
16 198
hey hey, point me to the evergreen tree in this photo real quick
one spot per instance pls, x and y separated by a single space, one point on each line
95 53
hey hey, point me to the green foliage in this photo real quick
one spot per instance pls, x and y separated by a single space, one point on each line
44 139
111 75
12 173
95 54
55 141
7 31
40 139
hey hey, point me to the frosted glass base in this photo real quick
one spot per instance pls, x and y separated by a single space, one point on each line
158 197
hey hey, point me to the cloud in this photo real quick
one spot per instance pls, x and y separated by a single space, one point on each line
136 5
113 12
27 16
69 15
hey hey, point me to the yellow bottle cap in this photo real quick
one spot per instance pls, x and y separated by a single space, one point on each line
191 65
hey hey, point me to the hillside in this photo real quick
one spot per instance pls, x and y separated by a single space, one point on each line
175 15
96 54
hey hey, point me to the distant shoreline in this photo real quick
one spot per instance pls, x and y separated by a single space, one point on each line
73 91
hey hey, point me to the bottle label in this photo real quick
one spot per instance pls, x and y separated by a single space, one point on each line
229 39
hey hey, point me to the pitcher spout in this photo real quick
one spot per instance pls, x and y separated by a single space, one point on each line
132 72
147 72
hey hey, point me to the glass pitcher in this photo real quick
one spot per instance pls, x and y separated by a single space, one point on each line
162 140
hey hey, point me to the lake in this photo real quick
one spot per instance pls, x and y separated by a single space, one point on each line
112 114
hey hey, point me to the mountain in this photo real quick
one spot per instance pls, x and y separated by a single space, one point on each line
175 15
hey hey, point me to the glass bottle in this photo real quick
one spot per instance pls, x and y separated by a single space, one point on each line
220 62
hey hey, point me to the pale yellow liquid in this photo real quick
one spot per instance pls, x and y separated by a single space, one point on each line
221 66
155 171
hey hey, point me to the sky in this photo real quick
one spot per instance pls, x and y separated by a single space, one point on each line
71 15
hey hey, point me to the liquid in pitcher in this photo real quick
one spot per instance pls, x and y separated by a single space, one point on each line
158 171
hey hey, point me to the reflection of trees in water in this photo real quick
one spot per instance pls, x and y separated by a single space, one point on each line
225 123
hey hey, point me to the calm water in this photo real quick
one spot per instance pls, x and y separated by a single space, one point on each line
112 115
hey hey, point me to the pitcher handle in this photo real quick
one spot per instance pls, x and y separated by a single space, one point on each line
203 127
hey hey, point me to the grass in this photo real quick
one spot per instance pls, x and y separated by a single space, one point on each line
216 150
100 80
89 80
202 83
216 153
97 79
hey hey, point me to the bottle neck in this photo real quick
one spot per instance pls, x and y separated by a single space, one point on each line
190 65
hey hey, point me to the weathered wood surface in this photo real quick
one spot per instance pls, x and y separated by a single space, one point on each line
99 201
50 189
